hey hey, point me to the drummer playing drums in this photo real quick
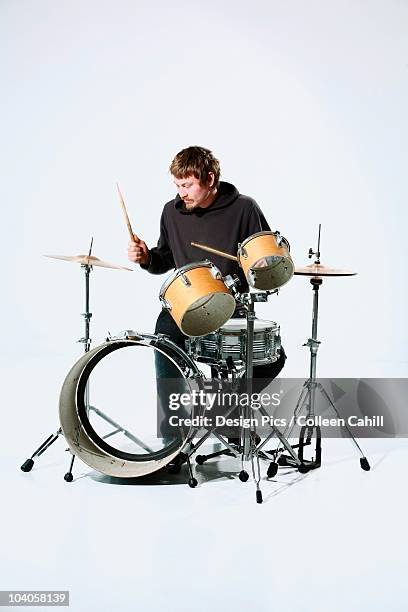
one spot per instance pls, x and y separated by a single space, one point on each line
208 211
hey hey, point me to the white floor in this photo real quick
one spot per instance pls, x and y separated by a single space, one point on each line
331 540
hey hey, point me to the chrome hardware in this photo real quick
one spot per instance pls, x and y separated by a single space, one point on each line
216 273
278 237
231 281
127 334
165 303
185 280
242 252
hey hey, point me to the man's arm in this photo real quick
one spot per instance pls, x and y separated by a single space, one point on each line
157 260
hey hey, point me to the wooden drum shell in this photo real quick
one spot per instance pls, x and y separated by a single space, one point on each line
263 246
201 306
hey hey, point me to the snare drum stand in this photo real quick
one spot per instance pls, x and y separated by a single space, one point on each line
249 449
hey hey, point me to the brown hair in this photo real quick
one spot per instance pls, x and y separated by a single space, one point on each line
198 162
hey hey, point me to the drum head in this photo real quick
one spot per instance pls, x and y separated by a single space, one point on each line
239 325
119 431
270 272
207 314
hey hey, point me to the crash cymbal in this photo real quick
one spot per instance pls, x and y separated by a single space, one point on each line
88 260
320 270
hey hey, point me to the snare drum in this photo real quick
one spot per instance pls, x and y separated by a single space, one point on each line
197 298
266 261
230 341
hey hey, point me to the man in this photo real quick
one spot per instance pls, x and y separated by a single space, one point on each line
208 211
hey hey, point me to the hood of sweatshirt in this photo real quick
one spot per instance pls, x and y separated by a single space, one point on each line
226 195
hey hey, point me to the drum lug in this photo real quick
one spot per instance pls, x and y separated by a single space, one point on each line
127 334
185 280
163 337
216 273
135 336
279 238
165 303
242 252
191 348
252 274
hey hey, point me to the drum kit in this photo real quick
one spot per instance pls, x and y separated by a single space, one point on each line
201 302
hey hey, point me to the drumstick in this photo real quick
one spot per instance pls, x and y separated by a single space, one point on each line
133 236
215 251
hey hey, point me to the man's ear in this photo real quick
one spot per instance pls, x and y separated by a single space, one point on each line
211 179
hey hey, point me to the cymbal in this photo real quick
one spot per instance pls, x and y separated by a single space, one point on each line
320 270
88 260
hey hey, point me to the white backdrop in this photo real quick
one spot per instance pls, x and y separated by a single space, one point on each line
304 103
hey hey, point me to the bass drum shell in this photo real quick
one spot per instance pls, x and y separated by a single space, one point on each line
82 439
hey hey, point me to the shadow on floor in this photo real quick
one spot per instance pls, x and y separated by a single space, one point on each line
204 473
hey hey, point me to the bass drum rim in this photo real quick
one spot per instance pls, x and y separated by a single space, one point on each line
83 440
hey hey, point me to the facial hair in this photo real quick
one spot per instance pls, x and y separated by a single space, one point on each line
192 206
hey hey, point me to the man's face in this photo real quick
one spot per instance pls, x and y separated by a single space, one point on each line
193 193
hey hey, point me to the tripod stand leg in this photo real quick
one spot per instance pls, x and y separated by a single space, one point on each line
287 432
68 476
363 459
245 447
287 446
192 482
305 399
282 438
308 430
257 467
28 464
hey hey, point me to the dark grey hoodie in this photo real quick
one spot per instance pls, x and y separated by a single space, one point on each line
230 219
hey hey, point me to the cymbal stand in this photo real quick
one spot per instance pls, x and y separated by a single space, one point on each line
86 341
308 394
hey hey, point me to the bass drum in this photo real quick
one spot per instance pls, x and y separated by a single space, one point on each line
116 431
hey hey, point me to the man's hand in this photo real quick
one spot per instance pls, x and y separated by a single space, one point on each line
138 251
